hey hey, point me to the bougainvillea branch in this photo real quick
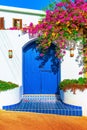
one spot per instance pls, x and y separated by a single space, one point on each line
67 21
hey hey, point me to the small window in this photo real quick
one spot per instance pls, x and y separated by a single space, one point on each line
17 23
1 23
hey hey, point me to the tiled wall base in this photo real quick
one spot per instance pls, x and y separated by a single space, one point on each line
49 104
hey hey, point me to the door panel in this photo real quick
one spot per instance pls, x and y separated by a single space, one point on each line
49 83
39 75
31 73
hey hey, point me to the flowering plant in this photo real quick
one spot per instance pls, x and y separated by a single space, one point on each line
73 84
67 21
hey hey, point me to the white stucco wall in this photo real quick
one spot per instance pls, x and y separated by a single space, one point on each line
10 97
27 15
77 99
11 69
70 68
26 19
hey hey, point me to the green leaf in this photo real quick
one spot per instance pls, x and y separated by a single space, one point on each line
65 28
66 34
65 0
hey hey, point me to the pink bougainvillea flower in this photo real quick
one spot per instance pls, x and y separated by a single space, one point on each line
13 28
60 25
41 54
80 73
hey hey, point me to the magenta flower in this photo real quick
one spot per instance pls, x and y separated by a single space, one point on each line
49 27
80 73
63 23
41 54
31 24
60 4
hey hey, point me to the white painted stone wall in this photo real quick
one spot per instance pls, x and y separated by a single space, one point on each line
26 17
11 69
77 99
10 97
69 67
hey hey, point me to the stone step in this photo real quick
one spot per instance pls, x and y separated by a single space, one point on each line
49 104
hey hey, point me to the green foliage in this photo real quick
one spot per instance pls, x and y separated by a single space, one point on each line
65 0
82 80
73 84
67 82
7 85
51 5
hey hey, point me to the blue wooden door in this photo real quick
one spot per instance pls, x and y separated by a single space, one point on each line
40 75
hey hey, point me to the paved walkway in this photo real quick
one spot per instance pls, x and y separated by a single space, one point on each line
33 121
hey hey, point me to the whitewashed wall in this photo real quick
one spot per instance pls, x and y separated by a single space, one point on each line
11 69
25 19
70 68
28 16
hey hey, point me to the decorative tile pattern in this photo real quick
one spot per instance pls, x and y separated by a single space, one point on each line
50 104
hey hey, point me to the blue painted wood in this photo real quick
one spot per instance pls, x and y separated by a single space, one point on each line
40 75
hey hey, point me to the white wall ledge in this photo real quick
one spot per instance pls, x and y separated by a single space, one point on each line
22 10
78 99
10 97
